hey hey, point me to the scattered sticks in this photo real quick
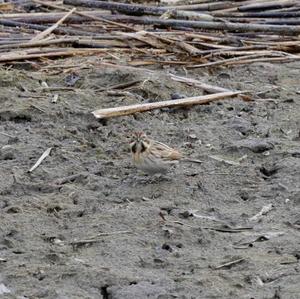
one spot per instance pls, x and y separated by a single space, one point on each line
19 55
48 31
197 34
138 10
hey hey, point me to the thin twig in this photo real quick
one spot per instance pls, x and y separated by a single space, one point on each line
40 160
230 264
94 240
205 86
7 135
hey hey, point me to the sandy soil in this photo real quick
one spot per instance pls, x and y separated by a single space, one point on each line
109 231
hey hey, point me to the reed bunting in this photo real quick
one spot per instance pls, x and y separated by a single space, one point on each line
152 156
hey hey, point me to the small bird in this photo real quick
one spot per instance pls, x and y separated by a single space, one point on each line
154 157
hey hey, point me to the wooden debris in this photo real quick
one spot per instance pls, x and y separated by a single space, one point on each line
244 243
265 209
48 31
225 160
193 34
95 239
120 86
18 55
41 159
229 264
229 229
207 87
7 135
127 110
134 9
84 14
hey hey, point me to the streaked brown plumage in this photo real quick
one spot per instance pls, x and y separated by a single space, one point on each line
152 156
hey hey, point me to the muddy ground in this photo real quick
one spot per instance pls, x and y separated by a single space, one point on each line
109 231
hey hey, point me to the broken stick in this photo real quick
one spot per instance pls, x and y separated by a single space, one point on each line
40 160
131 109
48 31
207 87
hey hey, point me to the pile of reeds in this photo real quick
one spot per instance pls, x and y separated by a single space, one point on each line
192 33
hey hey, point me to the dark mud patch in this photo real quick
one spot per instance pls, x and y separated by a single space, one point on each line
86 224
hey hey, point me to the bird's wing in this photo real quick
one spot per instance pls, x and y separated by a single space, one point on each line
166 152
